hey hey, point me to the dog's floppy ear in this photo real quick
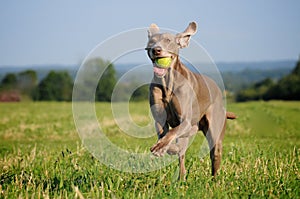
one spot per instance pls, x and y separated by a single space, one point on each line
153 29
183 38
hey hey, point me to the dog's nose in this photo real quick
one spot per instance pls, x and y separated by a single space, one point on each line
156 50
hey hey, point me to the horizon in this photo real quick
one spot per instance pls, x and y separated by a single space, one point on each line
136 63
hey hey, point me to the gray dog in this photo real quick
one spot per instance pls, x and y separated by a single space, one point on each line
185 101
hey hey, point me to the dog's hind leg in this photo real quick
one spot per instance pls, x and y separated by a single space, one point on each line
214 135
216 148
183 144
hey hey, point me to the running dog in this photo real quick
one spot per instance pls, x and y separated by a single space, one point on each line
183 102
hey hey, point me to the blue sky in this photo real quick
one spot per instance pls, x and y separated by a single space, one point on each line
64 31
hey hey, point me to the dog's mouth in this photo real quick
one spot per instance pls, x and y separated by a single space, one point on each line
160 72
161 65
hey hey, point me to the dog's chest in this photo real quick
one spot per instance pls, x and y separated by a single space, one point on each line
165 105
173 113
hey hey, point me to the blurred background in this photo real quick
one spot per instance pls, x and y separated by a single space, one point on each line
255 44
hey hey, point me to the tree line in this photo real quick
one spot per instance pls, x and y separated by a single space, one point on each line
287 88
56 86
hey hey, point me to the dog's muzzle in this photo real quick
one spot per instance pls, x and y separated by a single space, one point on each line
161 64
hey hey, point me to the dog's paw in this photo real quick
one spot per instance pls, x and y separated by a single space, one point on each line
163 144
160 148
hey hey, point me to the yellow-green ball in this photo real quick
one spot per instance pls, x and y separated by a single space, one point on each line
163 62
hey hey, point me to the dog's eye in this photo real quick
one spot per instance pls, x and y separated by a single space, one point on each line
167 40
151 43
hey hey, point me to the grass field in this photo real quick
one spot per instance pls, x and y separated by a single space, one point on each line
41 156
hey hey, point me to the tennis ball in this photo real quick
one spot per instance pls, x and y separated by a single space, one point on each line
163 62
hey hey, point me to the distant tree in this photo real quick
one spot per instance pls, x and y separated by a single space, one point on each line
27 82
255 92
106 84
96 81
9 81
8 89
287 88
56 86
140 93
296 70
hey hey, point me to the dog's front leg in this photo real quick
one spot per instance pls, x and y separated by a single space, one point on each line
163 144
162 129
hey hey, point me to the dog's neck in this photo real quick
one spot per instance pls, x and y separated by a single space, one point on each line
167 82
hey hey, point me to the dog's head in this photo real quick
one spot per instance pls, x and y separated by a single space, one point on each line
163 48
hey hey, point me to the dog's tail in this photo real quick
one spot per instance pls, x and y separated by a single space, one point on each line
230 115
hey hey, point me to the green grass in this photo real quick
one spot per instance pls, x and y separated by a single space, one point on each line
41 156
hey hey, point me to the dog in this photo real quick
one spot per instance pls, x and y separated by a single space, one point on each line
182 102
